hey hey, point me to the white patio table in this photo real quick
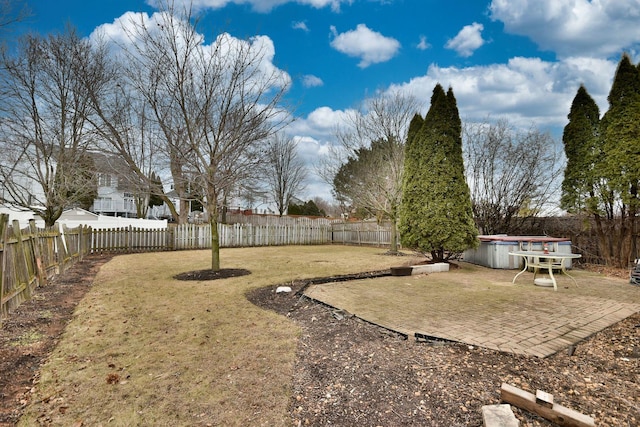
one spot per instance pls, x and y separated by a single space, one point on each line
540 260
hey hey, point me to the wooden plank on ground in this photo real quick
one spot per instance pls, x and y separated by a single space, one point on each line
558 414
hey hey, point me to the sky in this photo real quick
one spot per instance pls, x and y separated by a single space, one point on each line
519 60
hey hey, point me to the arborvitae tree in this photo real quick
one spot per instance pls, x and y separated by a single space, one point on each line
604 165
414 129
620 129
435 214
583 150
81 183
621 132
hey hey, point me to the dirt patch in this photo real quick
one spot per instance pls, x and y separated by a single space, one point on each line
349 372
209 274
31 332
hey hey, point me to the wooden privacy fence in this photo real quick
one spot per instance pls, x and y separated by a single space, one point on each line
131 239
30 257
198 236
361 233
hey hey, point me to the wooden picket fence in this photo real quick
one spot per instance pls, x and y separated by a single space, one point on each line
362 233
31 257
198 236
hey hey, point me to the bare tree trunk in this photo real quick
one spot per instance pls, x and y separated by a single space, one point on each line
602 239
215 236
393 249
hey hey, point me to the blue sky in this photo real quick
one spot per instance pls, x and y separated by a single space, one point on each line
522 60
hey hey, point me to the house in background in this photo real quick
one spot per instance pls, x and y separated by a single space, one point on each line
117 187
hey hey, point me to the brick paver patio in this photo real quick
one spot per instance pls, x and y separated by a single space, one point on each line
481 307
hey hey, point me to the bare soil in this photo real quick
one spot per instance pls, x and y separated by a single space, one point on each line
30 333
349 372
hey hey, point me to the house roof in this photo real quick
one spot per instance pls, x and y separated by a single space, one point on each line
115 165
78 214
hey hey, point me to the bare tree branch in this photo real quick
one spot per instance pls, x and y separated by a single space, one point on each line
44 134
285 172
367 167
512 174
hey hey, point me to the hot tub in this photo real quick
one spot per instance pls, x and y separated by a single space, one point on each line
494 250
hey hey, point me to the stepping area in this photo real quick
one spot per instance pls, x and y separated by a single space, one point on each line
480 306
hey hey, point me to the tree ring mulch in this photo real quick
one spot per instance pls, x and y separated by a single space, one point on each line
209 274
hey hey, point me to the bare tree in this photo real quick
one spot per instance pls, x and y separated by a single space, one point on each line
370 157
512 174
285 171
331 209
215 105
44 137
12 11
126 124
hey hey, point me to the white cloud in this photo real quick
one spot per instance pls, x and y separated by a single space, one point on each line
116 32
320 124
311 81
121 37
423 44
262 6
467 40
525 90
370 46
573 27
300 25
311 151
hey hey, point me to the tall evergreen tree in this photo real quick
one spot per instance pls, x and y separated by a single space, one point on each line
414 129
583 150
609 168
435 214
620 129
621 132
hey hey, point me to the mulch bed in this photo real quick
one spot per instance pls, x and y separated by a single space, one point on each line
208 274
349 372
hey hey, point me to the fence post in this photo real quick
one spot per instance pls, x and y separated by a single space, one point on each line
4 222
42 277
80 242
21 252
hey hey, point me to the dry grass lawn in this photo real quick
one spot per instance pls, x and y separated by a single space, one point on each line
146 349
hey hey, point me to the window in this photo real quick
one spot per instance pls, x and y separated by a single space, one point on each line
104 180
129 205
102 204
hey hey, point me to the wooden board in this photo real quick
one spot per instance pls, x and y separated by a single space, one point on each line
556 413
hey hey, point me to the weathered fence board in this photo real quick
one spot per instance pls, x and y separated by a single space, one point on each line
297 231
193 236
30 257
361 233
